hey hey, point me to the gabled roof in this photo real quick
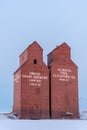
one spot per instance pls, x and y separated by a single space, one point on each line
64 44
33 44
20 67
70 61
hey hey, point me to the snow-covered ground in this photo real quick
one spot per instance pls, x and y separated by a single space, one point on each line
15 124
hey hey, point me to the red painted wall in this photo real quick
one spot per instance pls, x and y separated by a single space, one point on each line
17 93
63 83
42 92
34 87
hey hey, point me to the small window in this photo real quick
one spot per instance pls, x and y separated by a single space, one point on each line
35 61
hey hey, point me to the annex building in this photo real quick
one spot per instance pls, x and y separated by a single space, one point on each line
46 91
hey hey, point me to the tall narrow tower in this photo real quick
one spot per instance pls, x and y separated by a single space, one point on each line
31 85
63 83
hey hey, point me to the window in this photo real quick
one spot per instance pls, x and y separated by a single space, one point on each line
35 61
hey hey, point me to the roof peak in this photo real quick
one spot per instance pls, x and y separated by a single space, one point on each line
32 44
59 46
64 43
35 42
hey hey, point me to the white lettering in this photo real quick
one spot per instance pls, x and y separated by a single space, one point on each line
16 78
73 77
64 74
35 78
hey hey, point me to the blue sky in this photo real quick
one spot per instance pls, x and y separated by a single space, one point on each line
49 22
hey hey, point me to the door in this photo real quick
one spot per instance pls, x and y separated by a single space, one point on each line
34 111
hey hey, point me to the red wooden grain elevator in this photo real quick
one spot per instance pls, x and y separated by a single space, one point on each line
31 85
63 83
